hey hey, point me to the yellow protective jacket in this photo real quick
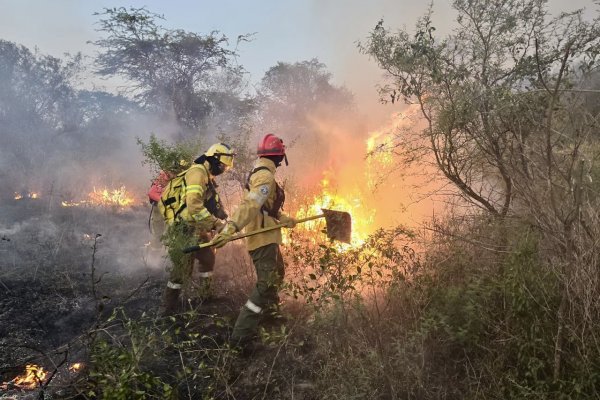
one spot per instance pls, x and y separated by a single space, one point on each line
196 193
248 215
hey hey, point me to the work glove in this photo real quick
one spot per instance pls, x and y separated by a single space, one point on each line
224 236
219 225
287 220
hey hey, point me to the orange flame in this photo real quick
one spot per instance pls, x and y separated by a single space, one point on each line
119 197
350 201
351 184
29 195
76 367
33 377
108 197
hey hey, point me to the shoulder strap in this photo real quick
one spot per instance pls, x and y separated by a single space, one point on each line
255 170
193 166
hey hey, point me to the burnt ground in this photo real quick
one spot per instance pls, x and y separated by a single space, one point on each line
72 278
47 299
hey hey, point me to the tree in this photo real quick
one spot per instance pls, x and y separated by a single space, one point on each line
37 103
37 85
169 69
292 92
300 103
473 86
510 124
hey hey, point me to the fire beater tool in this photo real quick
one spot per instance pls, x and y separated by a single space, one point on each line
338 227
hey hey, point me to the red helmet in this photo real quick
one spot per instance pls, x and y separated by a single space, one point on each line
271 145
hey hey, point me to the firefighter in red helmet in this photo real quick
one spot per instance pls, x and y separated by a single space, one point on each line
261 207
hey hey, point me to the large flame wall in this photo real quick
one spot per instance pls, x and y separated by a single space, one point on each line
348 167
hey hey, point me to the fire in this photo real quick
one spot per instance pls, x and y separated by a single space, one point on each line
119 197
75 367
29 195
33 377
379 146
331 198
356 183
108 197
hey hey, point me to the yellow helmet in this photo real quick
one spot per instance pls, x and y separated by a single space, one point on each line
221 152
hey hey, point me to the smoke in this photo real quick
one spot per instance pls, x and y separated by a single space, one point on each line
59 144
360 167
338 160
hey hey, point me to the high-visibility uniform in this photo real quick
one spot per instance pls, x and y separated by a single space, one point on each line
193 226
261 194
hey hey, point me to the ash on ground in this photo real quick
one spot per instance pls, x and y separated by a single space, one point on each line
62 268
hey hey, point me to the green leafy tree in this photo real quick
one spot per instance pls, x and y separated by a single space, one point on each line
168 69
162 156
509 122
296 101
38 104
489 94
301 88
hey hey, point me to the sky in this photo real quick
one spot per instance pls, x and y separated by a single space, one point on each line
284 30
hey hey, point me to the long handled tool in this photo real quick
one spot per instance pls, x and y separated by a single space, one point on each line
338 223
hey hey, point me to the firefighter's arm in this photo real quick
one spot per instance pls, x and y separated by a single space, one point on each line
261 184
196 183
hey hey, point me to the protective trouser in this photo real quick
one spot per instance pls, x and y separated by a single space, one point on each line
180 236
270 271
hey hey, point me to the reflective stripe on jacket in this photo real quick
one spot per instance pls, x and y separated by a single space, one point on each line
195 193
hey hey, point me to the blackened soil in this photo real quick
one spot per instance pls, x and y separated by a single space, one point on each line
65 271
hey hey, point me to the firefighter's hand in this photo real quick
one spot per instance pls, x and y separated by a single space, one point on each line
224 236
218 225
287 220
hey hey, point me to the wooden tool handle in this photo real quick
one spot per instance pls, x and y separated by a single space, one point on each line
256 232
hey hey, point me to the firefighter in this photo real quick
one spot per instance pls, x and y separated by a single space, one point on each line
260 207
192 211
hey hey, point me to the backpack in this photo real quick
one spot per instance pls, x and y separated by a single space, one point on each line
172 201
158 186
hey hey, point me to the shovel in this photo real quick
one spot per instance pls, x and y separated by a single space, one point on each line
339 227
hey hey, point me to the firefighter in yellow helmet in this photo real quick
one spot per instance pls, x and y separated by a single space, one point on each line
261 207
192 217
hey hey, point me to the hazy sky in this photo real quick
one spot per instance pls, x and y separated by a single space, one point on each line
286 30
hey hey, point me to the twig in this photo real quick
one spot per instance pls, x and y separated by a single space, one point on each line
187 383
273 363
5 287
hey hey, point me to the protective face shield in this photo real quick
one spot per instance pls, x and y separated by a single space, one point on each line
215 166
220 158
278 159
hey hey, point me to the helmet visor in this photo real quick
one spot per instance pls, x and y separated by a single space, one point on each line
226 159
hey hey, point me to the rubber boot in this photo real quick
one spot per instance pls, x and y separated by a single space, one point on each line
170 302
